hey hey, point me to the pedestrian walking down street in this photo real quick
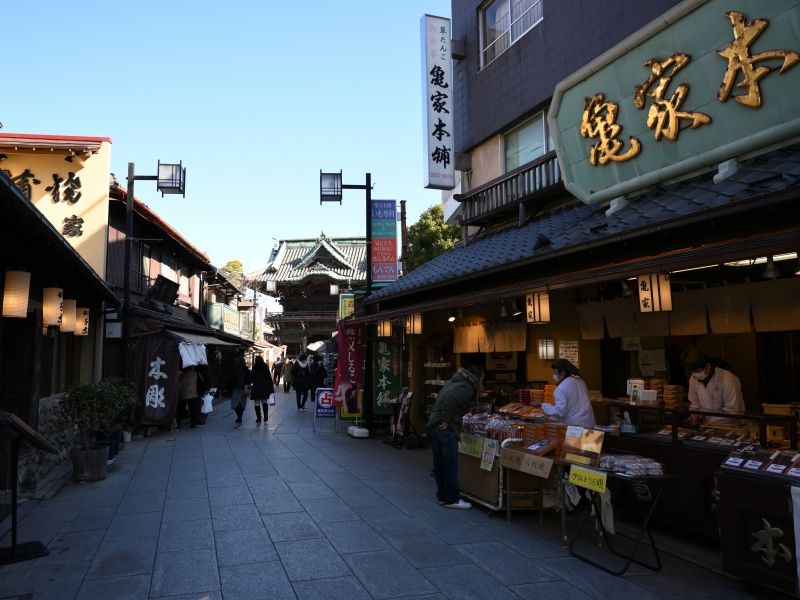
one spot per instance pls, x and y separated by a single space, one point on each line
317 378
287 375
188 394
262 388
301 381
277 367
241 377
444 428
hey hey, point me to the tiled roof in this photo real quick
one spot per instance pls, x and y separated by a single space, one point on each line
578 224
340 259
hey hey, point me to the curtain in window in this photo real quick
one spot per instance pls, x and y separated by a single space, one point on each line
525 143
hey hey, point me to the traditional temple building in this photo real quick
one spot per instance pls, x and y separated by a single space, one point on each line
308 276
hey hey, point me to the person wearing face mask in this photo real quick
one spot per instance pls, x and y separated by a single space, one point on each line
572 405
714 389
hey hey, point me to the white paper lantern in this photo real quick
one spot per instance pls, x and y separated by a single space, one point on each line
537 307
15 294
655 292
52 306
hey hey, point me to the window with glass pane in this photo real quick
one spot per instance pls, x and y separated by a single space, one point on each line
503 22
525 143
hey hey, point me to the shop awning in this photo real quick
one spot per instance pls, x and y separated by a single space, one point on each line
196 338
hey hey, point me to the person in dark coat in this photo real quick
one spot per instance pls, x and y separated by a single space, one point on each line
301 381
239 378
277 367
262 388
317 378
444 427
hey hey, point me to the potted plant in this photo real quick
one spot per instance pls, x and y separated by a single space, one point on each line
94 408
81 408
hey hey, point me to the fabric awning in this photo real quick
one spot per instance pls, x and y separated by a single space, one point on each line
196 338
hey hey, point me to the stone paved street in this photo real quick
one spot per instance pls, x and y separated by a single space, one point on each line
283 512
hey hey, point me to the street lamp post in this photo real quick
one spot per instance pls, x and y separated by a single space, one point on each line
330 190
170 179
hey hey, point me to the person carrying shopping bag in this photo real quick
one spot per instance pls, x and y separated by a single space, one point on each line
262 388
239 379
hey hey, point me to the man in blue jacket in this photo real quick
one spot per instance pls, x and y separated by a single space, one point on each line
444 426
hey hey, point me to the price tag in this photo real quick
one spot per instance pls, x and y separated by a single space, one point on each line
715 440
573 431
794 472
734 461
471 446
776 468
699 438
753 464
728 442
588 478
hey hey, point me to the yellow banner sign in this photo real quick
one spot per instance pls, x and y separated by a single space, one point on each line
471 445
587 478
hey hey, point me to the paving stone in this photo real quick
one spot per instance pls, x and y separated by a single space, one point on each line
415 506
116 558
187 489
328 510
187 571
551 590
467 582
525 542
255 581
386 574
142 502
237 493
310 559
186 509
194 473
360 496
51 582
72 547
234 517
340 479
277 502
245 546
266 485
424 549
134 587
506 565
592 581
88 518
135 526
387 518
353 536
386 485
337 588
454 530
305 490
178 535
291 526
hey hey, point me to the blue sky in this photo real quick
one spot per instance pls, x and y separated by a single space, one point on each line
255 97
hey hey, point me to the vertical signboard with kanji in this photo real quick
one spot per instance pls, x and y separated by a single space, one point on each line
383 248
349 370
387 369
156 363
346 305
437 88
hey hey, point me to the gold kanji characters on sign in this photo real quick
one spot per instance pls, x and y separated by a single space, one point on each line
664 115
740 60
600 121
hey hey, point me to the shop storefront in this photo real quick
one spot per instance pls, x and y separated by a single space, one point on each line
656 200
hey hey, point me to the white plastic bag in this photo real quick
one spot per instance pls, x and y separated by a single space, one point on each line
208 403
271 399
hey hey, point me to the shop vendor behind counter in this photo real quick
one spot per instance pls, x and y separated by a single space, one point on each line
572 405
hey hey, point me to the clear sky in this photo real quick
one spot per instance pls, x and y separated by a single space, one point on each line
255 97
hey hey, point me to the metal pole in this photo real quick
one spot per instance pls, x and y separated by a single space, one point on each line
126 285
368 328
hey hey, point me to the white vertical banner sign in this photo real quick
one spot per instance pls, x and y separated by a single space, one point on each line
437 86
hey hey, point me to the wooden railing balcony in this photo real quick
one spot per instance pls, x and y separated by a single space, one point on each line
503 194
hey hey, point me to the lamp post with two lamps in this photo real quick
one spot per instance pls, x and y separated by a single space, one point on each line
330 190
170 179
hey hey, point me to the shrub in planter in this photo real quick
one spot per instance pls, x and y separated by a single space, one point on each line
93 407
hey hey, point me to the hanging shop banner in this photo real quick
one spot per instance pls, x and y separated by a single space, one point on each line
324 407
156 362
347 305
383 244
437 88
349 370
386 366
667 103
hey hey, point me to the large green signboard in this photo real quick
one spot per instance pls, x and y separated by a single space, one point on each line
709 82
